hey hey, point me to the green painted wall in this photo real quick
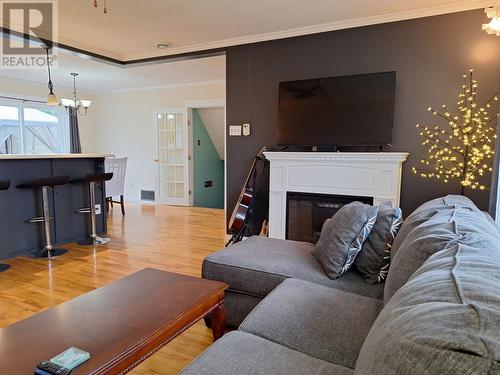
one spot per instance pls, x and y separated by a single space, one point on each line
207 166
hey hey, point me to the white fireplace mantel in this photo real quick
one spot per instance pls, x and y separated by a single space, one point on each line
362 174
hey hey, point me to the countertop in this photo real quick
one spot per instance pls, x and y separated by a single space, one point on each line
54 156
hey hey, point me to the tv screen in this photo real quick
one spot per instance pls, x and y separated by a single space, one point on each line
348 110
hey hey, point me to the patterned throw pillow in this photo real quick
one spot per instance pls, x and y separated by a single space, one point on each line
374 259
397 220
342 237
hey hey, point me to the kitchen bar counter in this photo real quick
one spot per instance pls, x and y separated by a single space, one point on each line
17 206
53 156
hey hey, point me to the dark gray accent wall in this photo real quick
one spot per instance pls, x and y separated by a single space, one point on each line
429 55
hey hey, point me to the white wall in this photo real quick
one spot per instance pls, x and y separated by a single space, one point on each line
123 124
20 88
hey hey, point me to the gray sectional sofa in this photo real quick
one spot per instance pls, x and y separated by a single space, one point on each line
437 313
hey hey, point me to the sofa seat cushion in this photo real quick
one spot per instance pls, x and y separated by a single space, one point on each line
259 264
314 319
245 354
444 320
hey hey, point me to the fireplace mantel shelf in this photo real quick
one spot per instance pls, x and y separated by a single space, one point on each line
376 175
370 157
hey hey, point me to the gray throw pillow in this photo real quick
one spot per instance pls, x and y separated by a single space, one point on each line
375 257
342 237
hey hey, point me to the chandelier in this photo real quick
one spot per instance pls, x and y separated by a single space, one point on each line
80 105
104 4
493 13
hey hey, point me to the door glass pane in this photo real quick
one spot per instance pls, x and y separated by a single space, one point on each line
171 173
162 138
179 189
179 155
171 190
171 157
170 122
10 130
162 122
43 133
180 173
170 139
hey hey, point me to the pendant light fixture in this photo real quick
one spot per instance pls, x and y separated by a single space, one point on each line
80 105
51 98
104 3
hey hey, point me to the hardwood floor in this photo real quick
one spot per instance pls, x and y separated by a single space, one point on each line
163 237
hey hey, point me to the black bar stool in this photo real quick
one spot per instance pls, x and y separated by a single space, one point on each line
44 184
4 185
92 180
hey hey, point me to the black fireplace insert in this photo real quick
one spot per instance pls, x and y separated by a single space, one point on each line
306 213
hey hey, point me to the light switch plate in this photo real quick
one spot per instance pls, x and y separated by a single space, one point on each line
246 130
235 130
98 209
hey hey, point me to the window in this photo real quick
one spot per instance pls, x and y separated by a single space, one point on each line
32 128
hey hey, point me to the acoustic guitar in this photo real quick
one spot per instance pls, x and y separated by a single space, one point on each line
245 201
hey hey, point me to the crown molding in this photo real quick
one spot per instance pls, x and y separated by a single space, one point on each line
67 88
160 87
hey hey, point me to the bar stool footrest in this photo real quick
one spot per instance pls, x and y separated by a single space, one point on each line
39 219
44 253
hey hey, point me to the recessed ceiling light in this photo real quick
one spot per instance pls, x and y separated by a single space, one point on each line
163 45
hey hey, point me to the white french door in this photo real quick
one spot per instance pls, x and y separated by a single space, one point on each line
172 157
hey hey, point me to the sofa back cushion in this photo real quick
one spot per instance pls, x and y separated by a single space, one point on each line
433 235
445 319
429 229
425 212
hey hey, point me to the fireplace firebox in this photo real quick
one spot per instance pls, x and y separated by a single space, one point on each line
306 213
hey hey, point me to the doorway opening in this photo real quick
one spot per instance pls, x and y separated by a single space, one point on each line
207 153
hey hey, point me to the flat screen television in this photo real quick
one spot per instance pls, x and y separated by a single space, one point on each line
355 110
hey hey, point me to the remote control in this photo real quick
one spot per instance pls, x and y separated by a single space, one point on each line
53 368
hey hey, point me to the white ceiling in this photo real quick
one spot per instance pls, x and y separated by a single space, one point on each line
98 77
132 28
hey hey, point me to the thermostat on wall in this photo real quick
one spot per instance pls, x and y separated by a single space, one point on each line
246 130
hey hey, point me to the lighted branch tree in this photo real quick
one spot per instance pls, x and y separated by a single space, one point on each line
462 149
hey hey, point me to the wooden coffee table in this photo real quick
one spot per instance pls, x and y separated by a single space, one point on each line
120 325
